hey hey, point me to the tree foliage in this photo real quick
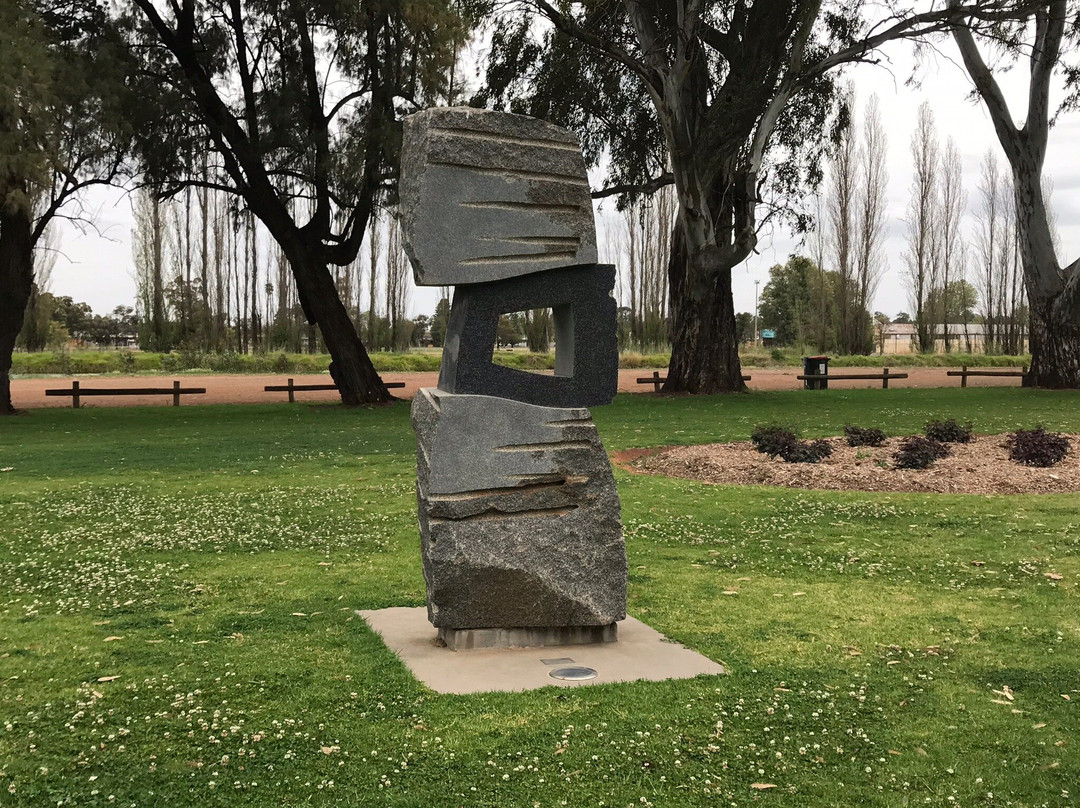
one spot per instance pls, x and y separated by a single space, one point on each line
300 103
726 100
67 111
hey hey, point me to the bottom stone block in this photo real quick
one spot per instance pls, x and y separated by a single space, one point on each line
519 516
465 639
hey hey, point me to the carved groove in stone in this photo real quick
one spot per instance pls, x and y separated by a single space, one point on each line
528 206
510 173
493 513
494 492
544 447
542 143
528 258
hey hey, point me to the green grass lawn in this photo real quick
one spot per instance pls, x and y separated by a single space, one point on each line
178 586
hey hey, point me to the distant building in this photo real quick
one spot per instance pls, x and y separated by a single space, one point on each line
902 338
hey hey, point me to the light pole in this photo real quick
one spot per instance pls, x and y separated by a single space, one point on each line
755 312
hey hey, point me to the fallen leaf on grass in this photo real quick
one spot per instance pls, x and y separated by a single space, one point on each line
1040 725
325 564
8 468
108 678
1005 692
852 650
922 751
329 750
1066 697
762 786
894 752
729 592
298 614
112 639
978 563
1053 576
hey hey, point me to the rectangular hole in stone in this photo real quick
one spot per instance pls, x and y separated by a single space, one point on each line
521 332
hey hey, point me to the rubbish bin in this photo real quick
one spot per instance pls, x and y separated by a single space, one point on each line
816 366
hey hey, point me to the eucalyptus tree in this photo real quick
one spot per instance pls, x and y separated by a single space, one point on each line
300 102
737 100
1045 35
922 214
65 122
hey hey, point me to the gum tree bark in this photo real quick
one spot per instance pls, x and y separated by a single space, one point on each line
16 281
1053 290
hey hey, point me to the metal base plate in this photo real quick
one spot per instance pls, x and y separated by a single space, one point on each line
464 639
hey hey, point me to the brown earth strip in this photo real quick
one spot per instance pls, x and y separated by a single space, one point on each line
248 389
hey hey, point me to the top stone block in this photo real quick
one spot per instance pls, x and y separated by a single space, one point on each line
486 195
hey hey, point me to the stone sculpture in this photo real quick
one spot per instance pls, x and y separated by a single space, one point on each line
521 536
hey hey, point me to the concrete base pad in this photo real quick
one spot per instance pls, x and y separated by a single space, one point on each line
467 639
641 653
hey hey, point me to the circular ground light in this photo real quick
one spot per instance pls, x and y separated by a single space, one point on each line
573 674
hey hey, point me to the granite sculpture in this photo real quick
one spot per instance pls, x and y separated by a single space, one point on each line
521 535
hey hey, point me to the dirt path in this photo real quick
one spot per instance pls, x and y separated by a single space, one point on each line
248 389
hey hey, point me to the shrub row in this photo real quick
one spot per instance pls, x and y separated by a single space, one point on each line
70 363
1033 447
1037 447
779 441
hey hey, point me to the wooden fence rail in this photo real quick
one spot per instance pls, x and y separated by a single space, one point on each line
291 388
77 392
656 380
885 376
964 373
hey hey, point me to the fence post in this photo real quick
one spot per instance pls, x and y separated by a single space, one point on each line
292 394
656 381
75 394
885 380
963 376
176 393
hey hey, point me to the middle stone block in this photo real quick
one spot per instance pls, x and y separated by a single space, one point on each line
586 345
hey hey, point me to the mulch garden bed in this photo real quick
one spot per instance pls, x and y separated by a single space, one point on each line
979 467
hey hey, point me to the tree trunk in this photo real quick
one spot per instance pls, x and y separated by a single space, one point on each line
351 368
1055 350
704 345
16 282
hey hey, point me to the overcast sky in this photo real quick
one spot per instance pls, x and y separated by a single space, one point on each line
97 268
